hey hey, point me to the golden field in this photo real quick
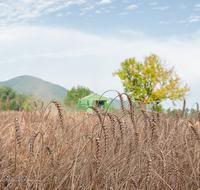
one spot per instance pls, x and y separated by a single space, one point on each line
51 149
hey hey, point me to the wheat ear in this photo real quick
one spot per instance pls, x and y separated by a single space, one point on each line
59 112
122 103
97 112
32 141
112 120
17 129
51 155
98 153
121 128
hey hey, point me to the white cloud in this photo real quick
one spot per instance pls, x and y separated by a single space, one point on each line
88 8
155 3
59 15
197 7
124 1
183 7
69 13
124 13
161 8
82 13
18 10
131 7
194 20
97 12
164 22
104 2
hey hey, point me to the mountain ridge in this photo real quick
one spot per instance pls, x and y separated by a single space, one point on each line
29 85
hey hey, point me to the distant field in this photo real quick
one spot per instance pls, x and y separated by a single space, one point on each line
135 150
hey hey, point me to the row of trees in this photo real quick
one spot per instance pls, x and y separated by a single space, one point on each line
10 100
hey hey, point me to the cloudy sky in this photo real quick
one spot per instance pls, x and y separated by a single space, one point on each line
81 42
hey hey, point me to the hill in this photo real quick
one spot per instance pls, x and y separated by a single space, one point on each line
31 85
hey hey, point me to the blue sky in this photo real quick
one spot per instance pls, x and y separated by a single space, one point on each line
81 42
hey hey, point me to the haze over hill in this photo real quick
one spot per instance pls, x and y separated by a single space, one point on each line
30 85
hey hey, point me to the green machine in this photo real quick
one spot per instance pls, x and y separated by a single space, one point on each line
92 100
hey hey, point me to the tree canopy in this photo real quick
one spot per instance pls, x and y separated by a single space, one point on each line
6 91
151 81
21 99
74 94
10 100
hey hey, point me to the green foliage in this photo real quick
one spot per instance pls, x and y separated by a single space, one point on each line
4 107
10 103
13 105
174 111
192 112
17 102
7 91
187 112
74 94
136 105
158 107
150 81
26 106
21 99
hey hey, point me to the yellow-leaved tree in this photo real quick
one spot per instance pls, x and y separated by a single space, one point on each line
151 81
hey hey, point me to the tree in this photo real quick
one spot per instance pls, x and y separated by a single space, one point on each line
7 96
20 99
7 91
151 81
13 105
74 94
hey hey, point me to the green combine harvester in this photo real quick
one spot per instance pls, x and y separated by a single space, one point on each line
92 100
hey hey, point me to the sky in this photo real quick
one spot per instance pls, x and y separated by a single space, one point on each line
82 42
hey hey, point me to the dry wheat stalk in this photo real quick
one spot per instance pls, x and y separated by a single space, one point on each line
105 137
17 129
132 111
98 153
32 142
122 103
97 112
176 178
121 128
51 155
112 120
86 166
60 113
148 172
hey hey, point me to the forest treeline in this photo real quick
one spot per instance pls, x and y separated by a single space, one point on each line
10 100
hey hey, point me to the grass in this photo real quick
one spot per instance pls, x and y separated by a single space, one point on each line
133 150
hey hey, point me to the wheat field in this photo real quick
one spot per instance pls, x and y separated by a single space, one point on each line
137 149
